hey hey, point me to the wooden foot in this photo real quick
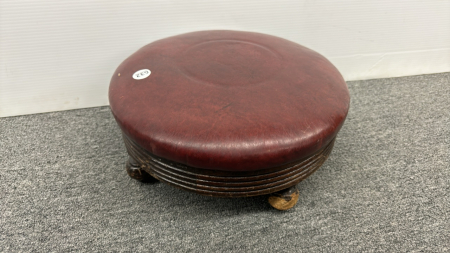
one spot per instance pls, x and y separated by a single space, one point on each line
285 199
135 171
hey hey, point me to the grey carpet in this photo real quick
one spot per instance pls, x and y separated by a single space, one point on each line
386 186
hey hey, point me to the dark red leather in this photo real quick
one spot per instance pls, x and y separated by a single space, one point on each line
227 100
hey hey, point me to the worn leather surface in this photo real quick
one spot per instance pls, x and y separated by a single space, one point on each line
227 100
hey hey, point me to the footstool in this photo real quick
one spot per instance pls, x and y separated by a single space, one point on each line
228 113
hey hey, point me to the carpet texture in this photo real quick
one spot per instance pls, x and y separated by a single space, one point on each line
385 187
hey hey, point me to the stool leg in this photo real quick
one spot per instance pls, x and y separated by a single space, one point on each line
284 199
135 171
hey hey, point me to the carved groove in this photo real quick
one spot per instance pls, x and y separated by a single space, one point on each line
226 183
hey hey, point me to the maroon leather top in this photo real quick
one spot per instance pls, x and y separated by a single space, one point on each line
227 100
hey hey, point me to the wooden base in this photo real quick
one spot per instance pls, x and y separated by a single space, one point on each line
280 181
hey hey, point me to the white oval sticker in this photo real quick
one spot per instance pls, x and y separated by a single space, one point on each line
141 74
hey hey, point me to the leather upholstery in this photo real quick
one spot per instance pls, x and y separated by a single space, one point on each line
227 100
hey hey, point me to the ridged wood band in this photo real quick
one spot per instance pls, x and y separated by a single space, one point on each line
226 183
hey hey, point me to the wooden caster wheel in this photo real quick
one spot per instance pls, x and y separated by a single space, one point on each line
135 171
285 199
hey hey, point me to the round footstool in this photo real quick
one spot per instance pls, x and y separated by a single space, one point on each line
228 113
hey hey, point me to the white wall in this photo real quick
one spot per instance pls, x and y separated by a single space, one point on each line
58 55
